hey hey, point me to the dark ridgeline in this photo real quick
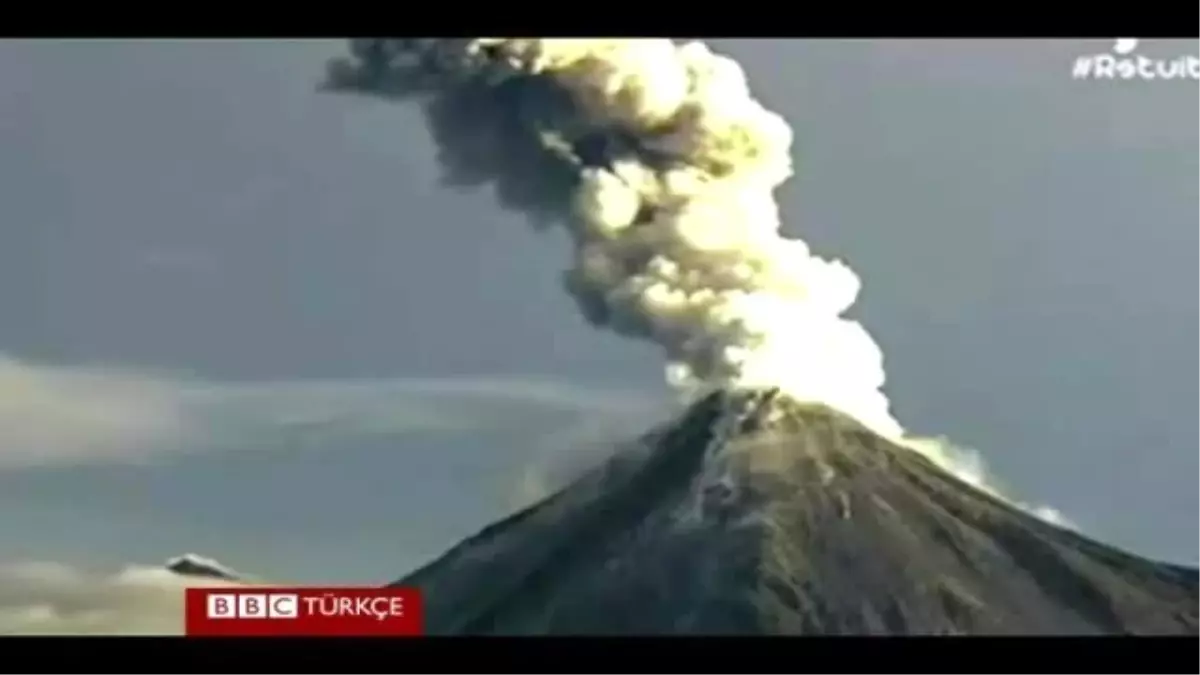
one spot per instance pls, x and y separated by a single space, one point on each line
756 515
191 565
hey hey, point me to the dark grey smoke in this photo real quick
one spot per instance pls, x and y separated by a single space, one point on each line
513 135
486 134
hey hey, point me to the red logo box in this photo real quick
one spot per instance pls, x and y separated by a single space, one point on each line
307 611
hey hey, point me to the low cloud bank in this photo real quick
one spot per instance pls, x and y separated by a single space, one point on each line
49 598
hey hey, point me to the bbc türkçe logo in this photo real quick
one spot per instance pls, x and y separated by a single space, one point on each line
306 611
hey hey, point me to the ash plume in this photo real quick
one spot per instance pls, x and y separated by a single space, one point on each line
661 166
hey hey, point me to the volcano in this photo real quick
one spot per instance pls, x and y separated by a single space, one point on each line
755 514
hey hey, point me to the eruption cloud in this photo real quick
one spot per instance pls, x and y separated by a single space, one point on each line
662 167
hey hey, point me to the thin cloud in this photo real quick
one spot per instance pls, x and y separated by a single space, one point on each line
62 416
51 415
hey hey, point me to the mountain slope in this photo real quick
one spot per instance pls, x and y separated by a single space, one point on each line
756 515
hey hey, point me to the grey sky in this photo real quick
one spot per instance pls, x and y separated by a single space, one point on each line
1027 244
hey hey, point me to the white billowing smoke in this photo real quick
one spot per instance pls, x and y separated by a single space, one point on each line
662 166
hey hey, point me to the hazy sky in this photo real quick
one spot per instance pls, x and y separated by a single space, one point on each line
373 361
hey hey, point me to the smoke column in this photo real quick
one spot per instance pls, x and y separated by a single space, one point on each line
662 167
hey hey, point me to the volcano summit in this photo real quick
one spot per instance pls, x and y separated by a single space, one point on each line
754 514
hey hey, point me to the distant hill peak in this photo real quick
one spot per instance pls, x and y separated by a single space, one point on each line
192 565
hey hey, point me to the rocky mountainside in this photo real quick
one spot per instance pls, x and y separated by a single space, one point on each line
753 514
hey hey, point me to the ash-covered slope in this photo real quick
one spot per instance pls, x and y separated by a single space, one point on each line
756 515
